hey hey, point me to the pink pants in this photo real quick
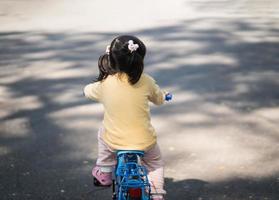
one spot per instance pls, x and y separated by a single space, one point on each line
152 160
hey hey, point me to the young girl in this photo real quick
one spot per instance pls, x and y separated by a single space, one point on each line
124 90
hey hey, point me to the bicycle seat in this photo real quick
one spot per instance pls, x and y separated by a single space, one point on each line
137 152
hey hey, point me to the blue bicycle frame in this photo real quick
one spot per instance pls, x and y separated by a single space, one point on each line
131 181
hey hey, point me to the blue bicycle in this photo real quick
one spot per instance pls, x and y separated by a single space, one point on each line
131 181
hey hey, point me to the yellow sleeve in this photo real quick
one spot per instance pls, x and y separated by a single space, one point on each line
93 91
156 95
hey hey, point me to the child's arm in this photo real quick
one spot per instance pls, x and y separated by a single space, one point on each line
93 91
157 96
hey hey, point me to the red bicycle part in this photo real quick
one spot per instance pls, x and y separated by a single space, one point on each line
135 193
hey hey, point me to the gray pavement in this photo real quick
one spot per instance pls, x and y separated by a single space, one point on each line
219 136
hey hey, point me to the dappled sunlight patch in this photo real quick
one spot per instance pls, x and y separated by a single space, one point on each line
180 43
241 88
254 76
29 102
197 113
10 102
209 59
15 128
93 110
271 114
85 150
52 70
69 73
256 35
191 118
4 150
81 125
10 74
206 25
215 142
220 110
35 37
37 55
155 67
210 156
83 117
69 94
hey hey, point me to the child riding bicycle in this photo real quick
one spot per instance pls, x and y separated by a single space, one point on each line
124 90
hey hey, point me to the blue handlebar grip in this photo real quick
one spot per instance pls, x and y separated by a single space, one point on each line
168 97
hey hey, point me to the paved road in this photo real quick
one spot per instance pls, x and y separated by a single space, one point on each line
219 136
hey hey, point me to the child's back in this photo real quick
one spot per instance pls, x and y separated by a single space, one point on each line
127 118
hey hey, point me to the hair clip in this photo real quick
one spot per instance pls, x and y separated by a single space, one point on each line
107 50
131 46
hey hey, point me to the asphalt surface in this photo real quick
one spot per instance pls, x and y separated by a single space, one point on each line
219 136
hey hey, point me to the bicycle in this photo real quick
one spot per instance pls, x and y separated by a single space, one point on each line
130 180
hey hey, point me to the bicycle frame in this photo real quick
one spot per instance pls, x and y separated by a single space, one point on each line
131 181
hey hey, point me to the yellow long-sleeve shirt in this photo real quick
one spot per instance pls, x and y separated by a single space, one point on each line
127 116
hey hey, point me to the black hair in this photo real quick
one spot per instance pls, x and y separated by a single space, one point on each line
121 59
104 67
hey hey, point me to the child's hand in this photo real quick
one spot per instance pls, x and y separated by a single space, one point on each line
168 96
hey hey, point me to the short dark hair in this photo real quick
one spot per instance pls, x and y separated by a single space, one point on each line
121 59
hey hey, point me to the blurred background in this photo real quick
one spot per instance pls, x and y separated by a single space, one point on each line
220 59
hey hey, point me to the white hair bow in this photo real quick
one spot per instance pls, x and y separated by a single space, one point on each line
131 46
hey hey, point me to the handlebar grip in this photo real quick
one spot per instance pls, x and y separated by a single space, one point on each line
168 97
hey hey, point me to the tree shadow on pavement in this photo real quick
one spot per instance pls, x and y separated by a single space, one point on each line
240 189
195 189
46 125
